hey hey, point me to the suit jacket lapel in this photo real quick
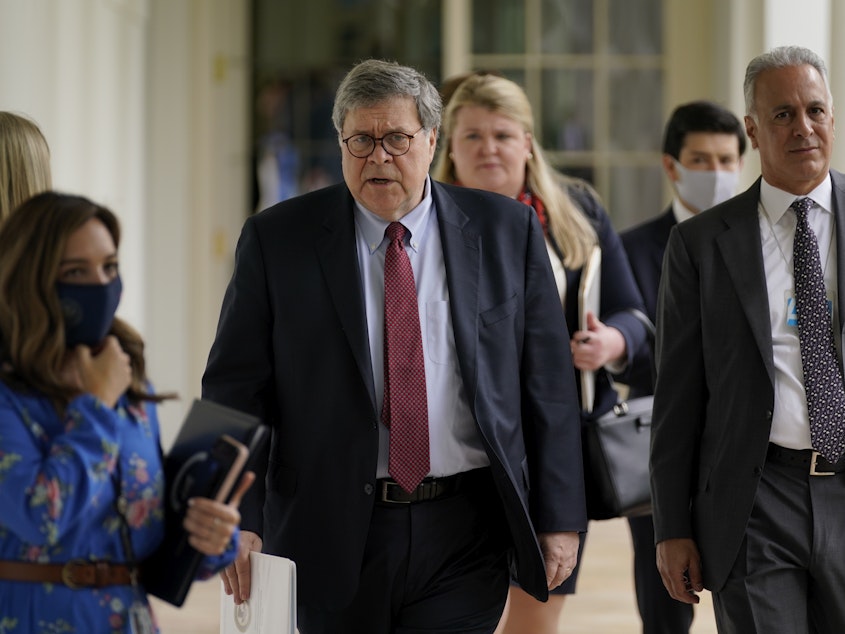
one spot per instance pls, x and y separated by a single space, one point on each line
338 255
838 181
740 247
462 256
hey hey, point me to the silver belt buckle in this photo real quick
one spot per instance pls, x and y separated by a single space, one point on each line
384 489
813 470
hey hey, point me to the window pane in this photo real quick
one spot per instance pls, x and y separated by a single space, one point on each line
567 26
568 110
636 27
498 26
635 117
635 193
300 53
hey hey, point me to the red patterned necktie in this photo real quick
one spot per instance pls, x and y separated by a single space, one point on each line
405 407
822 373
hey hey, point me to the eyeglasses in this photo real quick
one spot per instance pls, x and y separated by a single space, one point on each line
394 143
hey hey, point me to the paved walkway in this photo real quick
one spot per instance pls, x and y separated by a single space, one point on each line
604 603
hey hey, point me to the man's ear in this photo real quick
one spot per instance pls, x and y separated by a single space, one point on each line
670 169
751 130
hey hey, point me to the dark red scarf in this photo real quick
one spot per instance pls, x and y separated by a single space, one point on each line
534 201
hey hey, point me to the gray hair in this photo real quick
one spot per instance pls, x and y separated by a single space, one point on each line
375 81
780 57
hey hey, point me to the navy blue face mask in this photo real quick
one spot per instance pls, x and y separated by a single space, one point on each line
88 310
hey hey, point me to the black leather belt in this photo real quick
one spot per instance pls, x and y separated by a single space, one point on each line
389 492
807 460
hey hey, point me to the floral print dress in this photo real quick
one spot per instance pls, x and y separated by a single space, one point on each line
59 478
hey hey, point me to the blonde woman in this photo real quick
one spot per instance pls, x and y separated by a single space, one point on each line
488 134
24 161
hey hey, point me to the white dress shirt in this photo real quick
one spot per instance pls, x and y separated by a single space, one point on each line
790 421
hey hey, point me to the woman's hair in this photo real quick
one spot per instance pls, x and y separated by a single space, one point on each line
32 329
568 225
24 161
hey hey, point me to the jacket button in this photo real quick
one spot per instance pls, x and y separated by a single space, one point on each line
368 488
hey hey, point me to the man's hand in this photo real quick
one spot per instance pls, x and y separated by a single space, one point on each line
560 552
680 567
236 576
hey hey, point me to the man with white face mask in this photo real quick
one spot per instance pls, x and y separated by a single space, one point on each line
703 146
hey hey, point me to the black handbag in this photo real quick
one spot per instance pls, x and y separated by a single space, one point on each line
616 452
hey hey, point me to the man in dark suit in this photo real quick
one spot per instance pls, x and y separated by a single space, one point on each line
744 504
703 144
301 343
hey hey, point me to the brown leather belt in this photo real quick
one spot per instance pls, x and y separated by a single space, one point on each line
77 573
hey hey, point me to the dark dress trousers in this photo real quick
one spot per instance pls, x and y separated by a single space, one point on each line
645 245
292 347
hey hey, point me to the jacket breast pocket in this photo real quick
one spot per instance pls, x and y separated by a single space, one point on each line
500 312
440 335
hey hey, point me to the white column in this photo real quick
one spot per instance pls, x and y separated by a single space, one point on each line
835 65
199 164
77 67
144 104
457 36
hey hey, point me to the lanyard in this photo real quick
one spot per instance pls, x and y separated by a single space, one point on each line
140 619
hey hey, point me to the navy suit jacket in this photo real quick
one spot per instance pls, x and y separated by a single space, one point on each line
715 382
645 245
292 347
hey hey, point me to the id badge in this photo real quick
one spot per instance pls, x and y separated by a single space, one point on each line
792 308
140 619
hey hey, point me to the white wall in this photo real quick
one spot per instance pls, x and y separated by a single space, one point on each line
77 68
144 106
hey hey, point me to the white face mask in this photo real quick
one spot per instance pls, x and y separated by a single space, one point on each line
705 188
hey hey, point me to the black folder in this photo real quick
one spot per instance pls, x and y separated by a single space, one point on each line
195 466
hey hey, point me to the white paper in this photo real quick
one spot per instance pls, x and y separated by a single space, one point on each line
589 300
271 608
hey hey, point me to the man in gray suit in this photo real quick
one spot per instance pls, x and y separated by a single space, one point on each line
703 146
744 505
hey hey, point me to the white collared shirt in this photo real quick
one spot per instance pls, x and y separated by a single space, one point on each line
680 211
790 421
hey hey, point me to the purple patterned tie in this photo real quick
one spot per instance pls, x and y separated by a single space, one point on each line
405 407
822 372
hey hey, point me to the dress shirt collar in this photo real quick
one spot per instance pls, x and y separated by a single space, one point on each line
680 211
776 202
372 227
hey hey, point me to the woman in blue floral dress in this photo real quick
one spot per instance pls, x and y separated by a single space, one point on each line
81 480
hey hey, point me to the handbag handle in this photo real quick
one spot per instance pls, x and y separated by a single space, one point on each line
645 321
652 335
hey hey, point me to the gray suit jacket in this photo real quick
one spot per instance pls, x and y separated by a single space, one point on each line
715 389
